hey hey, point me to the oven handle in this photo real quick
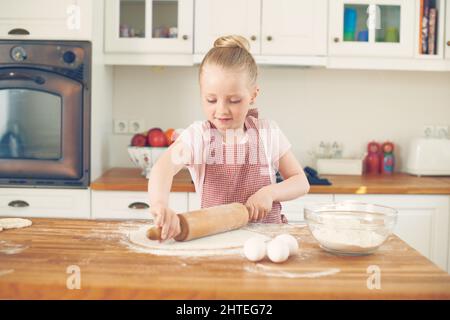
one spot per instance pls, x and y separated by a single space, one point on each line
21 76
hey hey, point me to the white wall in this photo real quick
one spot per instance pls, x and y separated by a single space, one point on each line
101 99
310 105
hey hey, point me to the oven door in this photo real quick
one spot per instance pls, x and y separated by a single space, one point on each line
41 125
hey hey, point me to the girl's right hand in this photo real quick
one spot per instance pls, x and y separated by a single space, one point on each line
167 219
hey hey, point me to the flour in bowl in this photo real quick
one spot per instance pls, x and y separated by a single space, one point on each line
348 235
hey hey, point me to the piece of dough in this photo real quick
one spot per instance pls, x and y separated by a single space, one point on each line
277 250
230 242
290 241
13 223
255 249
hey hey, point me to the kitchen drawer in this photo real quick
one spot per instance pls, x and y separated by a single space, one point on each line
194 202
293 210
49 203
130 205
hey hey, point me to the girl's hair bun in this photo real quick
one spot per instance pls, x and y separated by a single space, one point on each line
231 52
233 41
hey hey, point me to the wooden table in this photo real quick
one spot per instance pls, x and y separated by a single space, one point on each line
34 263
130 179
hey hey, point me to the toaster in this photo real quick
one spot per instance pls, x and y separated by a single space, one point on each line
429 157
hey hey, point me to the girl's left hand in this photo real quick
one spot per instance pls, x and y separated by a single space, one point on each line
259 204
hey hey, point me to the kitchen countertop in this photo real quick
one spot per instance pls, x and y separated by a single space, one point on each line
130 179
38 262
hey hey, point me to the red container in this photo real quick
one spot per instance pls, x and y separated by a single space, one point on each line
373 159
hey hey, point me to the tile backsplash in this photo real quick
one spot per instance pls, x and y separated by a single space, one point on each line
310 105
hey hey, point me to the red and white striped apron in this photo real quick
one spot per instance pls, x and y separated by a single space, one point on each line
226 183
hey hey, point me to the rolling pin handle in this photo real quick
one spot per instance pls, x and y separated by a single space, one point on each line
154 233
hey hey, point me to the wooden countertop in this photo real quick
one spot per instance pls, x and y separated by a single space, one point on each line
34 264
130 179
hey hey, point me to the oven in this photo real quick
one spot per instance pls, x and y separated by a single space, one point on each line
45 92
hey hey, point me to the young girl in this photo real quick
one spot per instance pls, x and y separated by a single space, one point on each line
233 156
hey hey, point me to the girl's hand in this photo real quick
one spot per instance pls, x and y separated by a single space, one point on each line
167 219
259 204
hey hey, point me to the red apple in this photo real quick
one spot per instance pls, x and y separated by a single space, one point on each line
139 140
156 138
154 129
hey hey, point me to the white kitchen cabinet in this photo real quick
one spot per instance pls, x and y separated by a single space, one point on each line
215 18
293 210
149 26
294 27
124 205
45 203
438 55
423 221
46 19
372 28
277 29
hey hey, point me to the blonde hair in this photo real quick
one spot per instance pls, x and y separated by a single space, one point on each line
232 52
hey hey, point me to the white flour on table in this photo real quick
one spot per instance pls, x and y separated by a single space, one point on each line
7 247
277 271
5 272
226 243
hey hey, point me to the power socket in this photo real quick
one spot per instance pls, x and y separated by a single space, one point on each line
441 132
136 126
120 126
428 131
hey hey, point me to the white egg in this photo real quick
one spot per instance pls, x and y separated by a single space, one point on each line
255 249
277 250
290 241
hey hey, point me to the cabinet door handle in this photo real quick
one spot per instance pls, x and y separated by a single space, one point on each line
18 204
253 38
269 38
138 205
19 31
448 43
185 37
336 39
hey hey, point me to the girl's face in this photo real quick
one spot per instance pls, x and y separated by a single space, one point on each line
226 96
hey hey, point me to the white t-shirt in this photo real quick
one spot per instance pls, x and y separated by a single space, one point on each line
197 137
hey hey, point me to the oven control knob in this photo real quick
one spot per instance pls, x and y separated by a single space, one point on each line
69 57
18 54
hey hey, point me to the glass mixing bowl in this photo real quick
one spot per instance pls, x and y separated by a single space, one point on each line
350 228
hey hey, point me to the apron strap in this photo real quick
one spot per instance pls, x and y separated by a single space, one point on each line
253 113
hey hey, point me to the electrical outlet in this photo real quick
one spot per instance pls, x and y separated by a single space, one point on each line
120 126
135 126
428 131
442 132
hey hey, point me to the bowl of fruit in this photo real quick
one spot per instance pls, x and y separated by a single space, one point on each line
147 147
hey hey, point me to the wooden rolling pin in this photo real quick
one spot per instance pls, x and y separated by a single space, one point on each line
207 221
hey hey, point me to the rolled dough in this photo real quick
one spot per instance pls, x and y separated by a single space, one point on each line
230 242
13 223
